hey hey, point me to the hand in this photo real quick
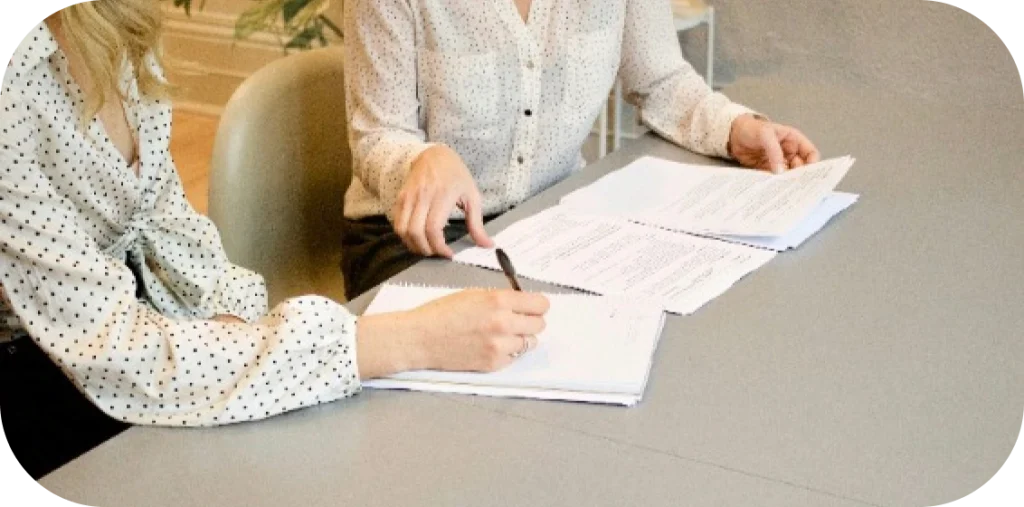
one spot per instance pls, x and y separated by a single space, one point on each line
227 319
761 144
438 182
472 330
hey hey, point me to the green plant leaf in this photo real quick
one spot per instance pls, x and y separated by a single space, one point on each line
298 23
305 38
187 5
331 26
291 8
258 18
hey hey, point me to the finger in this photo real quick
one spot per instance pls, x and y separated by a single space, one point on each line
527 343
531 342
772 149
417 227
402 213
437 219
809 152
507 348
526 303
521 324
796 161
804 147
515 346
475 220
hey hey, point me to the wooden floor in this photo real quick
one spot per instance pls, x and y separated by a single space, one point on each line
191 146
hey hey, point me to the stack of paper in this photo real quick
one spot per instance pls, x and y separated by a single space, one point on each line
676 233
751 207
594 349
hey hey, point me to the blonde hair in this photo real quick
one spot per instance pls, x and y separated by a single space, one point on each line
107 32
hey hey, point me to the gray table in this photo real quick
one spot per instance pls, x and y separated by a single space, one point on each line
881 364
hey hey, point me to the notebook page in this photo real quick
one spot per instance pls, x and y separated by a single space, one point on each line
710 199
629 399
591 344
613 256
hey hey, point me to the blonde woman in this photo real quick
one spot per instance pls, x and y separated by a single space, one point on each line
112 281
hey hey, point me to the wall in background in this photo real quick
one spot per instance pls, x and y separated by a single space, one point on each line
205 62
927 49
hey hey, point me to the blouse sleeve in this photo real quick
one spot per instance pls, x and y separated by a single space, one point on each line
673 99
380 89
135 364
235 290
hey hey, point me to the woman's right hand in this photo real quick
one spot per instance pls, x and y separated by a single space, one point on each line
472 330
437 183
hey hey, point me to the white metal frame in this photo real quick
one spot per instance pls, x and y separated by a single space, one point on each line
707 16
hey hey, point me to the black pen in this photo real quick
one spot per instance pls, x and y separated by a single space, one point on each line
506 267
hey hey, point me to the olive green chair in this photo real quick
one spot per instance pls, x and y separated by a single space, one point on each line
281 165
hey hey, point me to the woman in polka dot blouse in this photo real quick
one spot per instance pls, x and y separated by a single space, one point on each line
462 109
110 279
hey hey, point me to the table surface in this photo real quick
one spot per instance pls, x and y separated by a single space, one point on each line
880 364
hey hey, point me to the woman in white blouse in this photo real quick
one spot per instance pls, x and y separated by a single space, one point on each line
110 275
462 109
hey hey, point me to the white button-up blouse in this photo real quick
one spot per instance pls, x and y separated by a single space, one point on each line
112 274
515 100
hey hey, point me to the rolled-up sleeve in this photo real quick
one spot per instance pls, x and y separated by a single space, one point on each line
380 87
673 98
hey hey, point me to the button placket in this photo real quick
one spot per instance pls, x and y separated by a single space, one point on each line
527 124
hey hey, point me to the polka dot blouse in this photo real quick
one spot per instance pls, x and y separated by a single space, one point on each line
113 274
515 100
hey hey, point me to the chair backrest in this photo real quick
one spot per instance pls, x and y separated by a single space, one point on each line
281 165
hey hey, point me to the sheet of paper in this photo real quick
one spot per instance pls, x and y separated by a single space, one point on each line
613 256
832 205
711 200
593 349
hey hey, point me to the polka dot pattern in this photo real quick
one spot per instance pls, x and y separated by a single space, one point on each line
515 100
113 274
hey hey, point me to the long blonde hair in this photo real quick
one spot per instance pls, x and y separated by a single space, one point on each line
105 33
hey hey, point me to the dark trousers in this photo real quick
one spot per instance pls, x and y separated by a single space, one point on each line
372 252
47 421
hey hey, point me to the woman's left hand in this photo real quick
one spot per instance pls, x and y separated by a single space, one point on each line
758 143
228 319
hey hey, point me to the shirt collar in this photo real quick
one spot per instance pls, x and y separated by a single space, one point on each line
37 47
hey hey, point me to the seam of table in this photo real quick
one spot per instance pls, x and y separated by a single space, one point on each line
645 448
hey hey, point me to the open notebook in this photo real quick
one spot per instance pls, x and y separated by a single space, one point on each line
595 349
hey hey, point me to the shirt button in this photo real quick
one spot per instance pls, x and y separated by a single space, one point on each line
529 64
528 112
520 159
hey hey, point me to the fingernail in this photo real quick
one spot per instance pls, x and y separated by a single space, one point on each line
778 169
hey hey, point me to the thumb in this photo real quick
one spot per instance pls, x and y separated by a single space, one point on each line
773 150
472 207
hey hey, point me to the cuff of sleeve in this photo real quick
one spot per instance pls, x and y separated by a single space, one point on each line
722 128
241 293
331 333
